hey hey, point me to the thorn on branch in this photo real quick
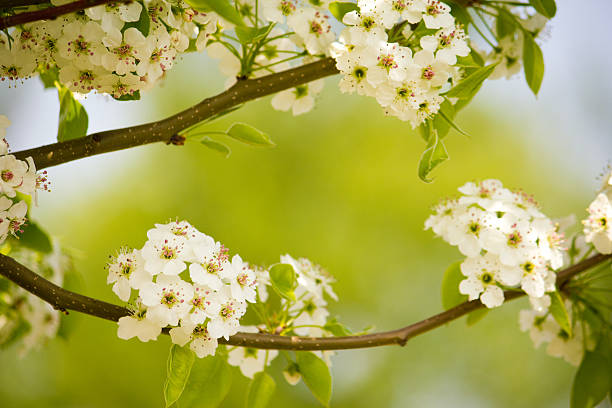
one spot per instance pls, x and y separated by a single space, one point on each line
177 140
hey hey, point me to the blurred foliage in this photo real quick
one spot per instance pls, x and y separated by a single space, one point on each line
339 188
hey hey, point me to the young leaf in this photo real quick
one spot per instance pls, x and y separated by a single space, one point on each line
432 157
250 135
447 115
505 24
533 61
339 9
592 382
450 286
316 376
547 8
216 146
178 368
208 385
248 35
73 120
557 308
336 328
260 391
143 24
471 84
221 7
49 76
35 238
283 280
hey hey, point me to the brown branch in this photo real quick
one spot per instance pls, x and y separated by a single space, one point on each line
166 130
63 299
21 3
49 13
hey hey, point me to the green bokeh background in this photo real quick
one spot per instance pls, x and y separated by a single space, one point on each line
341 189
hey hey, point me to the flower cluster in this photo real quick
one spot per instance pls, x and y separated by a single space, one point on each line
16 176
598 225
508 242
117 48
186 280
26 317
406 73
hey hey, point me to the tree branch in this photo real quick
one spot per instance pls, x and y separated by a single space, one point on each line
50 13
166 130
63 299
20 3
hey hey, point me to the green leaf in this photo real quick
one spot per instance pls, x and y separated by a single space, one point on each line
73 120
476 316
134 96
336 328
547 8
340 8
260 391
593 380
533 62
315 374
178 368
35 238
557 308
208 385
432 157
468 86
446 113
221 7
283 280
461 14
450 286
505 24
216 146
250 135
248 35
49 76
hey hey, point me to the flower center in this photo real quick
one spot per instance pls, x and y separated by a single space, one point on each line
7 175
514 239
167 253
387 62
428 73
227 312
169 299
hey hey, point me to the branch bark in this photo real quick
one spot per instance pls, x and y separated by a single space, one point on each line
49 13
166 130
63 299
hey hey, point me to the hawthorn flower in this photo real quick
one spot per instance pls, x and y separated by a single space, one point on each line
165 254
313 28
430 71
12 172
392 11
126 271
138 325
118 86
125 50
160 55
366 29
508 56
241 280
113 16
482 281
250 360
598 226
437 15
300 99
205 303
447 44
167 299
81 44
16 64
198 338
211 259
226 322
277 10
82 80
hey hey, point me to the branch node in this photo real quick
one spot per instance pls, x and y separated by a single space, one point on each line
177 140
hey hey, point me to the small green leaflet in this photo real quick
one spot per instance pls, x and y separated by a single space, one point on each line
209 383
248 134
35 238
248 35
49 76
593 380
336 328
450 286
178 368
471 84
73 120
216 146
260 391
339 9
221 7
316 376
505 24
557 308
432 157
283 280
547 8
533 61
143 24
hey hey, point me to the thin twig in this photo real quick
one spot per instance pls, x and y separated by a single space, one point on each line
63 299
